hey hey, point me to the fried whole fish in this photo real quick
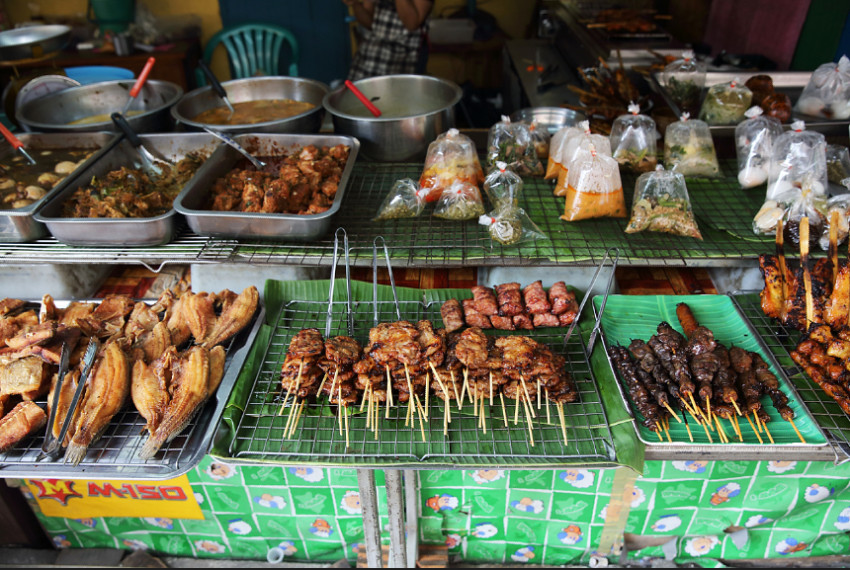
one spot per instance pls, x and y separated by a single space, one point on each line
25 419
149 387
106 391
190 376
233 318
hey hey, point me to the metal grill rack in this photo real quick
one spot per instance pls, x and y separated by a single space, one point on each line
723 211
115 454
317 440
780 340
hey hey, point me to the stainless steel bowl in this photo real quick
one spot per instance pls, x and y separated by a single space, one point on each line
552 118
54 112
33 42
255 89
415 109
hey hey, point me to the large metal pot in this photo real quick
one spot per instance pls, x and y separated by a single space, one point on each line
256 89
33 42
414 110
54 112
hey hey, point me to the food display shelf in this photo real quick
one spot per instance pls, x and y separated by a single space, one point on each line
255 420
723 212
628 317
115 454
780 340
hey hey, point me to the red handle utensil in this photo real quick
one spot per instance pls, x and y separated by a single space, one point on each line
374 110
15 142
140 82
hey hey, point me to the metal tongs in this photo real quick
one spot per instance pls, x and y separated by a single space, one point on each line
333 281
216 86
587 295
150 163
53 448
375 278
258 164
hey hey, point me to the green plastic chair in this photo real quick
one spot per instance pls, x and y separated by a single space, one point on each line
252 48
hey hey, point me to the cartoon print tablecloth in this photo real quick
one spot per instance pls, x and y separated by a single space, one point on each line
780 509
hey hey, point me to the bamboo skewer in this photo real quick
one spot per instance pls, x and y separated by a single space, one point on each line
758 422
421 421
448 411
548 414
767 431
563 422
780 254
516 409
289 390
658 432
365 395
793 425
693 403
707 433
377 419
528 412
667 433
807 275
669 409
833 243
454 387
688 427
538 392
528 397
755 431
720 431
504 411
389 387
738 429
465 385
324 378
427 397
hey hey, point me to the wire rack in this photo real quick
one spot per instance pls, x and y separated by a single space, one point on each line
259 435
115 454
723 211
780 340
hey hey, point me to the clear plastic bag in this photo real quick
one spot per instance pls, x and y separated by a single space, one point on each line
512 144
661 204
460 201
594 189
633 141
754 146
684 79
839 207
689 148
726 103
404 200
451 157
510 225
540 139
797 154
837 164
828 92
557 145
577 149
503 186
790 206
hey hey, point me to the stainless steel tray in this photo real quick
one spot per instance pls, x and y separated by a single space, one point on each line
121 231
791 83
193 199
19 225
734 450
115 454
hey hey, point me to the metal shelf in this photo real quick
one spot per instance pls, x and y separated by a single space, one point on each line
427 241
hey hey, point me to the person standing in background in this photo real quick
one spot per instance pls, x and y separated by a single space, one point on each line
394 40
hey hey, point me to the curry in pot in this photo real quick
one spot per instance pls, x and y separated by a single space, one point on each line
252 112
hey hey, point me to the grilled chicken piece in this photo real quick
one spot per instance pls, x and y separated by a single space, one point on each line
772 298
190 377
838 305
452 315
26 418
106 391
234 318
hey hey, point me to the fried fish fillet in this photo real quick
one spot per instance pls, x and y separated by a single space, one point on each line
22 376
106 391
199 312
149 394
190 375
26 418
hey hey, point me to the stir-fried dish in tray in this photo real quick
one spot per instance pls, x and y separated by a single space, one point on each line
132 193
303 181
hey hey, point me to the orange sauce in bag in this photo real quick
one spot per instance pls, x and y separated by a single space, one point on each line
585 205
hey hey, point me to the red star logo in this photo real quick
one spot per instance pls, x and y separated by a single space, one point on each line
61 491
